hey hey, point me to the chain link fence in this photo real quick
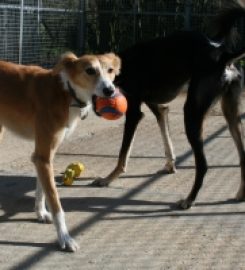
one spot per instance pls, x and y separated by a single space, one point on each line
38 31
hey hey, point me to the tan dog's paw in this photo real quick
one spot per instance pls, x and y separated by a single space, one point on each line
44 216
67 243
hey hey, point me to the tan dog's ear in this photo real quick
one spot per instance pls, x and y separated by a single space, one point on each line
66 61
116 62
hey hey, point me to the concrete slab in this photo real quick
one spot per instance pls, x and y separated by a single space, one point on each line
133 224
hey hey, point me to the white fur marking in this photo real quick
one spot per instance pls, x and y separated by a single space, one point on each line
66 242
164 127
64 79
82 94
215 44
40 207
84 111
103 83
74 115
59 222
231 73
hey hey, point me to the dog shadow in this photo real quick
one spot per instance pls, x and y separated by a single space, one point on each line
13 195
14 199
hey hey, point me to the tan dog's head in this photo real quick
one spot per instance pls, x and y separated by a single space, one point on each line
89 74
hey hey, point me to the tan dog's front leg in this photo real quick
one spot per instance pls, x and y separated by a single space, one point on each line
40 207
45 175
1 132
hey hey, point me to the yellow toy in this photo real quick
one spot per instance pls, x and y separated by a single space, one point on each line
72 171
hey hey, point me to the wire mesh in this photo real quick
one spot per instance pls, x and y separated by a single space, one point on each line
9 32
38 31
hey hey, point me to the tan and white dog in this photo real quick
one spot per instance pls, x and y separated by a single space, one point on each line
45 105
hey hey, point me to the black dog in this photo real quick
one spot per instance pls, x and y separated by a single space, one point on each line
154 73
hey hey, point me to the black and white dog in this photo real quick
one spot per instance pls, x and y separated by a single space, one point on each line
154 73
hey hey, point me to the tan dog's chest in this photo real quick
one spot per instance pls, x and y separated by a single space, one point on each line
74 116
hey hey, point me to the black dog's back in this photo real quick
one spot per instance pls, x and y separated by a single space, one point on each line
154 71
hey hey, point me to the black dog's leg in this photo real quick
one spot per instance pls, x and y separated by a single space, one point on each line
193 126
201 96
133 117
230 107
161 113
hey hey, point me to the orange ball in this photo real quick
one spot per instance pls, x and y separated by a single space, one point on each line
111 108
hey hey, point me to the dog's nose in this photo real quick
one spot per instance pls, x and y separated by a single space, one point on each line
108 91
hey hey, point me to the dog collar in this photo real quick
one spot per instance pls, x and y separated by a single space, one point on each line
79 103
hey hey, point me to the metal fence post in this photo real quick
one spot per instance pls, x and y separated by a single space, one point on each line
5 32
21 30
39 4
187 15
135 13
82 27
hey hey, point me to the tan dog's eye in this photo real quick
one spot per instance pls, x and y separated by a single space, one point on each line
110 70
90 71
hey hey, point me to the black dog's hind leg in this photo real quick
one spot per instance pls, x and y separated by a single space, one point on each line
230 106
161 113
201 95
133 117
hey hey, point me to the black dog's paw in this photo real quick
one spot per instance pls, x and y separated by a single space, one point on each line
184 204
100 182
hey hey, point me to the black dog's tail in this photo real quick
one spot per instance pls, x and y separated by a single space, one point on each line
223 28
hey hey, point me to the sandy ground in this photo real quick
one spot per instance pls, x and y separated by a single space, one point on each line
134 223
